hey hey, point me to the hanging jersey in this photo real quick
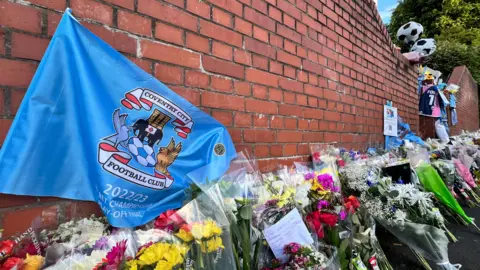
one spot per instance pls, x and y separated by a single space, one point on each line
429 104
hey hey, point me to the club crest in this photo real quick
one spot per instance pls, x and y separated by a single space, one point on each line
138 151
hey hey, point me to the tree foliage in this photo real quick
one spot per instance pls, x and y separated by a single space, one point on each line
455 25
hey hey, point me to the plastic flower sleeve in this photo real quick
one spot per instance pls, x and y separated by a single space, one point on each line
207 232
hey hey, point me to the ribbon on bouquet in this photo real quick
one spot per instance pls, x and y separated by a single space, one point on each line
116 162
144 98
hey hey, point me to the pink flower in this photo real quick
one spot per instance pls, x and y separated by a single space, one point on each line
322 204
316 156
326 180
309 176
292 248
343 215
116 255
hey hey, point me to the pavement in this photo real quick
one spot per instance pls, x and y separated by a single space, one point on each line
465 252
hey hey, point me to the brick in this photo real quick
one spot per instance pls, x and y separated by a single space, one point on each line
302 100
260 121
330 95
312 45
302 76
4 127
169 74
289 21
260 34
243 27
16 73
192 95
221 84
222 17
260 91
275 14
169 54
289 110
313 137
243 119
258 136
289 9
15 200
223 117
261 77
302 5
28 47
242 88
236 134
168 33
276 67
260 62
197 43
290 47
289 136
92 10
222 51
260 6
144 64
220 33
331 116
59 5
289 97
288 33
242 57
260 106
230 5
312 113
276 41
312 67
20 17
17 222
123 3
131 22
199 7
330 14
276 122
117 40
289 71
261 151
223 67
168 14
259 19
16 100
288 59
223 101
313 91
313 79
275 94
276 150
196 79
290 150
52 22
259 47
291 85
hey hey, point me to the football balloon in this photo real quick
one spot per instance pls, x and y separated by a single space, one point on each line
410 32
425 46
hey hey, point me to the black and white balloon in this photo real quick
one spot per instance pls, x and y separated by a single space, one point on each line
410 32
425 46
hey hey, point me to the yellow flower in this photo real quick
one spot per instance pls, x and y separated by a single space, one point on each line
184 235
132 265
164 265
212 245
153 253
173 256
197 231
33 262
211 228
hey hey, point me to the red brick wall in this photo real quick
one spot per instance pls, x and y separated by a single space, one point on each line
280 74
467 101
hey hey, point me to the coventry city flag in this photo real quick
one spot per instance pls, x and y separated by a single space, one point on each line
94 126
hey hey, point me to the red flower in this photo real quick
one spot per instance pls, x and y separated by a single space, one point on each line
328 218
313 221
316 156
340 163
12 263
6 248
169 221
351 203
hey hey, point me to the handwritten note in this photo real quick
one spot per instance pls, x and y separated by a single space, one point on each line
290 228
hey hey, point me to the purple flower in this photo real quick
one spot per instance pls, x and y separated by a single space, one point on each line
325 180
335 189
322 204
101 243
343 215
272 202
309 176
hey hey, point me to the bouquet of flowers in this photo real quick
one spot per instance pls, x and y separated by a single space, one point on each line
304 257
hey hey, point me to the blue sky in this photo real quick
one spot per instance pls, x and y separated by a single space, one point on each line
385 8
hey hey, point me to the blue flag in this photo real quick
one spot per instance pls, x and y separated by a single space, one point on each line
94 126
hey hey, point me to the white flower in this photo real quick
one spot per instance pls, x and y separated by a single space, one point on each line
301 196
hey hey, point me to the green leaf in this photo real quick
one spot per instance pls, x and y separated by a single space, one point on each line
355 219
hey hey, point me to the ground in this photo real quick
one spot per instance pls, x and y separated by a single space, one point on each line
465 252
